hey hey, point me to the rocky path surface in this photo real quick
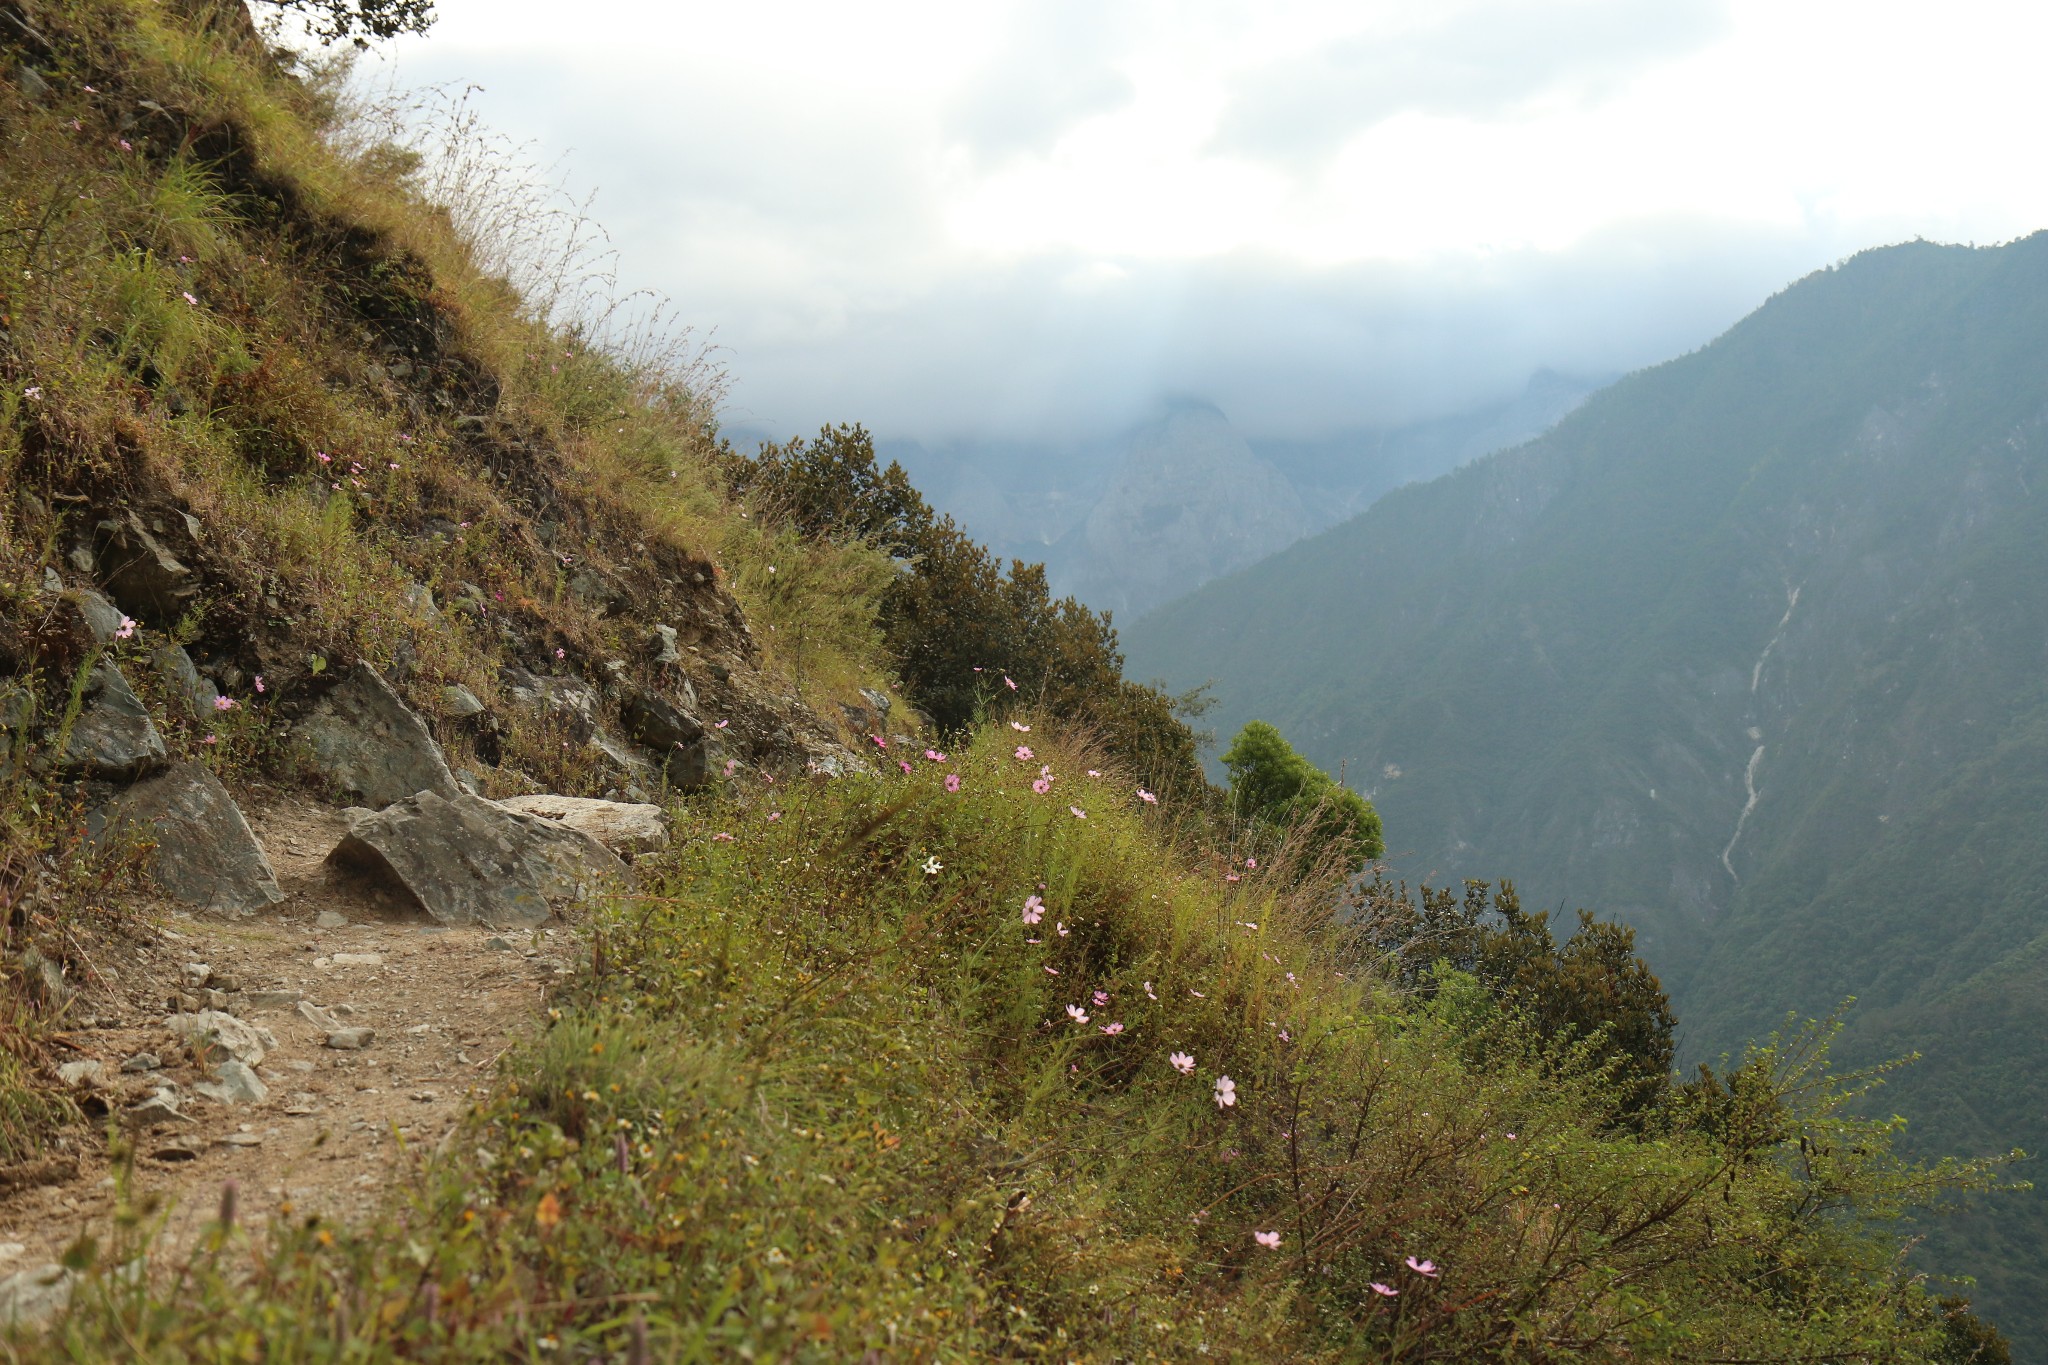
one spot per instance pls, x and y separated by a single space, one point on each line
328 1126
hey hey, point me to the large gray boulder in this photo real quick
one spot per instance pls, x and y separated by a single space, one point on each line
675 735
141 574
364 738
113 736
465 860
176 668
205 855
626 828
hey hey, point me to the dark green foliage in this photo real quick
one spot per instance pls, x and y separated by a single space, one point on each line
959 629
358 21
1592 987
1967 1339
1271 784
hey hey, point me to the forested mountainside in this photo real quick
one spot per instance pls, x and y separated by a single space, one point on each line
1751 651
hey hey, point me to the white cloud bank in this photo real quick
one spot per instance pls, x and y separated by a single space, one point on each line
1033 216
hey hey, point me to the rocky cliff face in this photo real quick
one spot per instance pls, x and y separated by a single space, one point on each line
1190 502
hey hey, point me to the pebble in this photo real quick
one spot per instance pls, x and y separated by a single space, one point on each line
353 1039
197 974
331 919
499 944
357 960
272 1000
142 1061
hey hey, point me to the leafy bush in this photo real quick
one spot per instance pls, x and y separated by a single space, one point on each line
1273 786
1592 989
965 637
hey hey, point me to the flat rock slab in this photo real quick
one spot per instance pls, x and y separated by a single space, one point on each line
465 860
205 854
364 738
626 828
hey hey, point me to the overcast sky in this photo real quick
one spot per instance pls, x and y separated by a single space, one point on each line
1033 218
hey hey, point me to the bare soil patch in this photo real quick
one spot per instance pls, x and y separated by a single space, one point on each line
337 1128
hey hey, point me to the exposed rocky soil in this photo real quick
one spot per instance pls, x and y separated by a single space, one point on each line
337 1126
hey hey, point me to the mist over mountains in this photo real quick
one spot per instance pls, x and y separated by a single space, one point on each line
1135 519
1749 651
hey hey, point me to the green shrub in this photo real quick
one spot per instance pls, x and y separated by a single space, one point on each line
1274 788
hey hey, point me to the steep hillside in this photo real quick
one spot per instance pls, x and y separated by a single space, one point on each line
1748 652
490 872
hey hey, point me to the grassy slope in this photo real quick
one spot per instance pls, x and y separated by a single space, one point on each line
816 1096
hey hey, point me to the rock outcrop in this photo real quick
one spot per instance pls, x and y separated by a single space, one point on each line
465 860
364 739
205 854
113 736
626 828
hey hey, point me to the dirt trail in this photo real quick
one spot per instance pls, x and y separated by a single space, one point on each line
444 1005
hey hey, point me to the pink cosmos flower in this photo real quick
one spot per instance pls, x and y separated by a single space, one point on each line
1113 1029
1095 772
224 703
1226 1092
880 743
1041 785
1034 909
33 391
1147 797
1079 814
1284 1036
1077 1014
561 653
1232 877
1148 992
1061 925
1384 1291
720 725
1423 1267
1269 1240
211 739
1009 683
1252 863
126 145
1052 971
931 755
127 631
773 816
903 765
1101 999
324 458
189 299
1020 725
1197 994
721 838
259 683
730 764
1024 754
1182 1062
394 464
952 782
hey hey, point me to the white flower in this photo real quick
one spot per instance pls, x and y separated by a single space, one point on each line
1226 1092
931 866
1183 1062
